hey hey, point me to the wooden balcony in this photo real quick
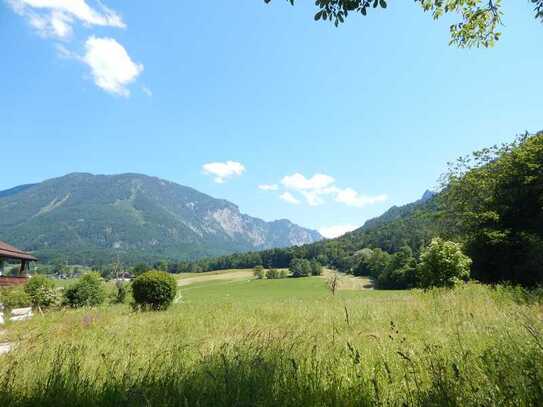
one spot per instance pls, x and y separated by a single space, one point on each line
8 252
8 281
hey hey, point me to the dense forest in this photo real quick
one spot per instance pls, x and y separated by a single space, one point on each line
490 204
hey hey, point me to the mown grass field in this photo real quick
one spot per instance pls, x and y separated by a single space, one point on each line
244 342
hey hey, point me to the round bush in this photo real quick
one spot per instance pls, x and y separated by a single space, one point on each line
154 290
41 291
442 264
300 267
88 291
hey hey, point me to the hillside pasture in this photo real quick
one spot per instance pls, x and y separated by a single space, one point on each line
185 279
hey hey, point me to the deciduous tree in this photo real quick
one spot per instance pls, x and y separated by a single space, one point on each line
477 21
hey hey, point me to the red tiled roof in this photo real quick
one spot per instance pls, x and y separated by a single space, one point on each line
11 252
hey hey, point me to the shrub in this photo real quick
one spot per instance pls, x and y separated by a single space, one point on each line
283 274
259 272
401 271
88 291
442 264
272 274
42 291
396 279
154 290
14 297
300 267
316 268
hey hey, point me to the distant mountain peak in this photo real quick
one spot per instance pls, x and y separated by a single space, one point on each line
428 194
89 218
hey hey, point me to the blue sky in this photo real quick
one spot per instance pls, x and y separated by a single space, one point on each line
339 123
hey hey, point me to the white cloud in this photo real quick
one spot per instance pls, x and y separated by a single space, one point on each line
225 170
310 188
350 197
61 24
298 182
288 197
313 198
55 18
268 187
316 188
331 232
111 66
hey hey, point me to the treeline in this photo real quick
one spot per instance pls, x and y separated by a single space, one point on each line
491 204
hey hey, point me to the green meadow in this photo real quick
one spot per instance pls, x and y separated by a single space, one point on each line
236 341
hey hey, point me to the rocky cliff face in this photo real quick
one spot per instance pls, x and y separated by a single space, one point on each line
87 218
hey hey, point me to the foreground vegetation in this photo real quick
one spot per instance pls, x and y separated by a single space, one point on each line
286 342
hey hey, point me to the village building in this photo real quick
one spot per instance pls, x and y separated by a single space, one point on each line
10 253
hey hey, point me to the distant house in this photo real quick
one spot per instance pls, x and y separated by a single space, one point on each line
8 252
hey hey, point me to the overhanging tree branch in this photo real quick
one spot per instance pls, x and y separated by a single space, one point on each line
478 25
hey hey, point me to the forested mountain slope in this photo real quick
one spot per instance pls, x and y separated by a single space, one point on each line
490 207
410 225
85 218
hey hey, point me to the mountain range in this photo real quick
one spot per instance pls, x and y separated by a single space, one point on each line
87 219
412 225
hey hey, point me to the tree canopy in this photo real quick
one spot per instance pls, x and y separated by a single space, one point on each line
494 202
477 25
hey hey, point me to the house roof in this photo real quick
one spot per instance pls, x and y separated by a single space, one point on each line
10 252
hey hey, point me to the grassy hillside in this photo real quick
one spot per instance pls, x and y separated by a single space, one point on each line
289 342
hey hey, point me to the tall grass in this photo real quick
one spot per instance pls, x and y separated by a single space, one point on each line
470 346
